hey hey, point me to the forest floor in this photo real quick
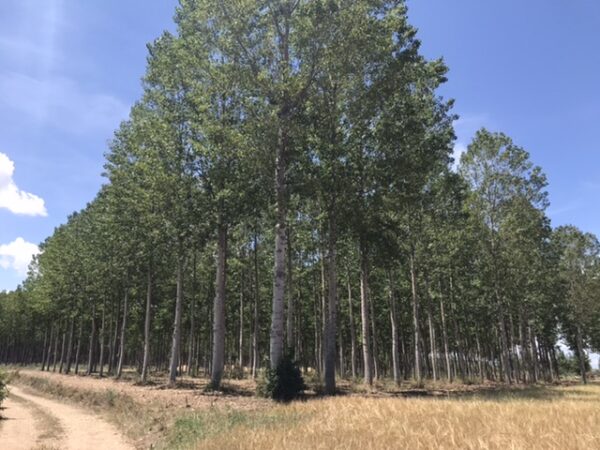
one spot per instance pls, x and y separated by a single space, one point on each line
188 416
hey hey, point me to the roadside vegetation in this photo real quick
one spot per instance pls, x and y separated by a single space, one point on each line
437 415
3 389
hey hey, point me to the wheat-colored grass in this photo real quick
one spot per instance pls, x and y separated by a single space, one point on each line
542 418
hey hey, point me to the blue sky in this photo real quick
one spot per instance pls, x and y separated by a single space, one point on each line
69 71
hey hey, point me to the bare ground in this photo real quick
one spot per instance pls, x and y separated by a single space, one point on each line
34 422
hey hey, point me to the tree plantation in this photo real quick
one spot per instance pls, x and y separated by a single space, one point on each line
285 189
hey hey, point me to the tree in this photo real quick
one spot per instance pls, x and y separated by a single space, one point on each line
579 273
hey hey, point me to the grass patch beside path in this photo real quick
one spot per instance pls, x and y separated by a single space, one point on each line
143 425
191 430
153 424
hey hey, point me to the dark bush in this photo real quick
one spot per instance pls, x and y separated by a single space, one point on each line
283 384
3 391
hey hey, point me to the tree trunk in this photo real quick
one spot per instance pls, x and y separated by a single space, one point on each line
394 325
78 351
62 352
415 314
44 349
123 335
70 345
445 338
192 341
218 359
290 297
241 330
92 342
147 326
278 318
102 335
364 316
352 330
49 352
176 341
432 349
581 356
331 318
256 315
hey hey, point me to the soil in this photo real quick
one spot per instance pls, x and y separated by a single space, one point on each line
34 422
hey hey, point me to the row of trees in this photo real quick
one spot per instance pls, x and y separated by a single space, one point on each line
316 126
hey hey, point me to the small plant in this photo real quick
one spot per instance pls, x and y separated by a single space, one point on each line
284 383
3 390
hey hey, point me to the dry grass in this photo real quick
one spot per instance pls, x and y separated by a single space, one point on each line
537 418
489 416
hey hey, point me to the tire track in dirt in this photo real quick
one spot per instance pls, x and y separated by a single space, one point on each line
37 422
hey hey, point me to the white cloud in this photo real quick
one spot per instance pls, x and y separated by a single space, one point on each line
459 149
17 255
13 198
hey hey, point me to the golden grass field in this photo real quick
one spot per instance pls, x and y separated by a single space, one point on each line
458 416
535 418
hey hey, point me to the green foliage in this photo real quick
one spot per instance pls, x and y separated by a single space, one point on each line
568 364
3 390
284 383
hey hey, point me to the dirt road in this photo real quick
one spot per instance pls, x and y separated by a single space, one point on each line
34 422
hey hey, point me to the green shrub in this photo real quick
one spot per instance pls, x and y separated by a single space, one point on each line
283 384
3 391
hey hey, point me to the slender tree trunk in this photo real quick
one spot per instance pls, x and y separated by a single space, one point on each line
290 296
256 323
352 330
92 342
581 356
49 352
62 352
176 341
432 350
241 330
70 345
331 318
78 351
415 314
364 316
102 335
44 349
374 340
191 344
533 353
218 359
479 357
445 338
146 358
123 335
112 358
394 325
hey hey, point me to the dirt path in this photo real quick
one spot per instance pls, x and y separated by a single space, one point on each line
37 422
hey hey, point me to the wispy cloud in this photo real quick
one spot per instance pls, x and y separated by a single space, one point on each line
60 103
459 149
17 255
35 81
30 33
557 211
14 199
465 128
